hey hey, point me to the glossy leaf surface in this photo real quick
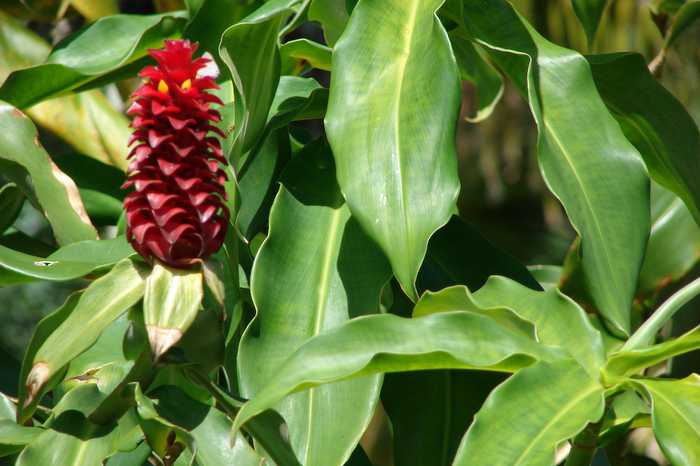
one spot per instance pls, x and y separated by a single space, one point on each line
395 82
315 270
584 157
537 408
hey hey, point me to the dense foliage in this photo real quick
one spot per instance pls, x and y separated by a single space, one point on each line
277 255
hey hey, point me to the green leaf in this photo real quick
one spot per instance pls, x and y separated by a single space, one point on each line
431 410
675 417
72 439
558 320
296 55
55 192
589 14
628 362
527 417
69 262
388 343
585 158
476 70
101 303
332 14
315 270
267 429
207 429
654 121
255 70
684 18
14 437
137 456
11 202
83 60
171 301
87 121
391 120
211 18
674 241
460 255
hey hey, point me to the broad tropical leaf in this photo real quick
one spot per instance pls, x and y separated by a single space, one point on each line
315 270
584 157
458 340
21 153
536 409
676 417
391 118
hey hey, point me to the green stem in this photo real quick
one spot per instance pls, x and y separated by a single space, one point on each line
584 446
645 334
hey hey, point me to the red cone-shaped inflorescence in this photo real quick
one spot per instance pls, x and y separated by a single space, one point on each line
176 212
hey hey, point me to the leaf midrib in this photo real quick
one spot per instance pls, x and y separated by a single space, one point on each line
567 407
321 301
401 78
588 203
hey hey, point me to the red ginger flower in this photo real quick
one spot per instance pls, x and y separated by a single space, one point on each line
176 212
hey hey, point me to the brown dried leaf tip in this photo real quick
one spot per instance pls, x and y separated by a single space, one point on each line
176 213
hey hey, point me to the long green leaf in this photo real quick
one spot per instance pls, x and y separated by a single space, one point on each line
387 343
654 121
11 202
673 242
527 417
55 192
315 270
629 362
558 320
103 301
83 59
72 439
67 263
332 14
589 14
684 18
676 417
391 121
296 55
585 158
171 301
208 429
255 70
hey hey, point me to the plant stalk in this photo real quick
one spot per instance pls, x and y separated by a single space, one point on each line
645 334
584 446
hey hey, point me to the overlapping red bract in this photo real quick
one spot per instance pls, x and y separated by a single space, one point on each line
176 211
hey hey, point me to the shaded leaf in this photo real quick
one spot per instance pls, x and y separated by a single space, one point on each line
536 409
255 70
460 255
585 158
589 14
654 121
684 18
332 14
476 70
674 242
11 202
395 82
298 54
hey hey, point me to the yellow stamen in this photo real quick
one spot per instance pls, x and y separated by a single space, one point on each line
163 87
186 84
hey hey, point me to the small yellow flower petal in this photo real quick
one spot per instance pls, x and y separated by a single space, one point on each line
186 84
163 87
